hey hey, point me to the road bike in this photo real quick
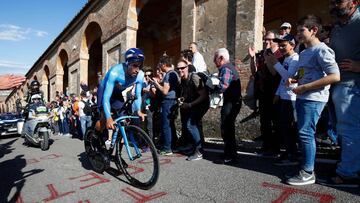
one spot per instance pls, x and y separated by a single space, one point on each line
135 153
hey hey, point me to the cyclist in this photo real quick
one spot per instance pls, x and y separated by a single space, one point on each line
116 80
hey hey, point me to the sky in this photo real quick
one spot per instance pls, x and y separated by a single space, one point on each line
28 27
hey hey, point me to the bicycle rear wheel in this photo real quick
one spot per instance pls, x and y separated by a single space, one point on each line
95 152
143 170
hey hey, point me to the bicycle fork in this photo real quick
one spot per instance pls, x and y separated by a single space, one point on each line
126 142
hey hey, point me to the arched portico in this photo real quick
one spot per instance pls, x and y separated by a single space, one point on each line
91 55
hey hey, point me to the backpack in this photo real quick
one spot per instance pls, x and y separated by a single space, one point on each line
215 97
87 108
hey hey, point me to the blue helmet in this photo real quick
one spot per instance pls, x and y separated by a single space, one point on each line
134 55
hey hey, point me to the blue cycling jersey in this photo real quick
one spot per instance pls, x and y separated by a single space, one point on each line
116 81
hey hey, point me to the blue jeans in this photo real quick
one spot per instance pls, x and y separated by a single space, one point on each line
168 110
308 113
65 126
346 99
190 124
85 122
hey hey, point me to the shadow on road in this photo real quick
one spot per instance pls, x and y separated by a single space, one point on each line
114 172
12 176
84 161
265 165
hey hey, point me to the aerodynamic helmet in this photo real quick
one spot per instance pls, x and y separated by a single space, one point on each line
134 55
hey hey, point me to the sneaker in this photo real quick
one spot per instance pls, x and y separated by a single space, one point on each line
231 161
302 178
194 157
285 162
107 144
165 153
338 181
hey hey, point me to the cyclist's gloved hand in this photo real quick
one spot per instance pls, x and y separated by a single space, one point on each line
110 123
141 115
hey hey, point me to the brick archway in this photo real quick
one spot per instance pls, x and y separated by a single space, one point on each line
91 55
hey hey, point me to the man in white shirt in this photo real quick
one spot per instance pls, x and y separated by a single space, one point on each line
198 60
84 114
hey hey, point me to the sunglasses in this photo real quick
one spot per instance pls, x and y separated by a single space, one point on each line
181 68
148 75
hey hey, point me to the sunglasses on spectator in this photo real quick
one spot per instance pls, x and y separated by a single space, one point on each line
148 75
181 68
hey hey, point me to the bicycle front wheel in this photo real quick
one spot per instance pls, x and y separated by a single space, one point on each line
138 161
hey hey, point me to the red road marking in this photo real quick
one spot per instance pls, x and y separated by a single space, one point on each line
93 176
86 201
288 191
136 169
19 199
51 156
164 161
31 161
54 194
149 160
140 198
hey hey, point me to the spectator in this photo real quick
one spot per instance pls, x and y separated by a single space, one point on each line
286 98
285 29
169 90
84 114
194 104
188 56
230 86
198 60
345 95
318 69
266 83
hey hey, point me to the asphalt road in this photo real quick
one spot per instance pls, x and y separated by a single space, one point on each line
63 174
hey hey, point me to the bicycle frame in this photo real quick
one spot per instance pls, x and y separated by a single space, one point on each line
120 125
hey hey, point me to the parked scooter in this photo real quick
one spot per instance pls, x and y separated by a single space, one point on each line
37 129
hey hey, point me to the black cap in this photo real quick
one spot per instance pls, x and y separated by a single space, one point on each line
287 37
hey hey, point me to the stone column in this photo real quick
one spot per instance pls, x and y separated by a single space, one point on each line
84 67
249 26
188 19
59 80
248 32
44 89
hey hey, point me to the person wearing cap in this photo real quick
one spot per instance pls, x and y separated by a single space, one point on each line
285 29
286 98
117 79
